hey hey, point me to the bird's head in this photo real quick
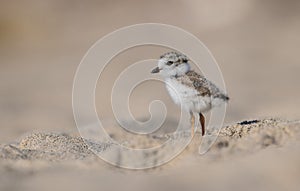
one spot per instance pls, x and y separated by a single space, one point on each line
172 64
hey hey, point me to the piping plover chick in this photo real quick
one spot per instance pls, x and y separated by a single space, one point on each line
193 91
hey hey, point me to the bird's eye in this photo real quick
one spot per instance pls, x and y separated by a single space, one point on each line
169 63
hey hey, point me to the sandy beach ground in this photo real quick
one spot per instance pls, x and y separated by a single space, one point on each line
263 155
256 46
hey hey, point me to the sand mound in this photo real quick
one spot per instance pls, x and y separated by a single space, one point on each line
259 154
244 137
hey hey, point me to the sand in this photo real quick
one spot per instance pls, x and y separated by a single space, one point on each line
256 44
251 155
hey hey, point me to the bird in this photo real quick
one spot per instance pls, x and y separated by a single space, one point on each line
186 87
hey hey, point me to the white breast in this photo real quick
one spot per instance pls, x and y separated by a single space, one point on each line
187 96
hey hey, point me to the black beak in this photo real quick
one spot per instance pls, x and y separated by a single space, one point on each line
155 70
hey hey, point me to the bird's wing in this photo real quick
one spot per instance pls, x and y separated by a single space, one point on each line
198 82
203 86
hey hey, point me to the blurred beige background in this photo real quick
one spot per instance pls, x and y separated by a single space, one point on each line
255 43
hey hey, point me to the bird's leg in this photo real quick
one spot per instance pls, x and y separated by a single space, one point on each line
192 123
202 121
